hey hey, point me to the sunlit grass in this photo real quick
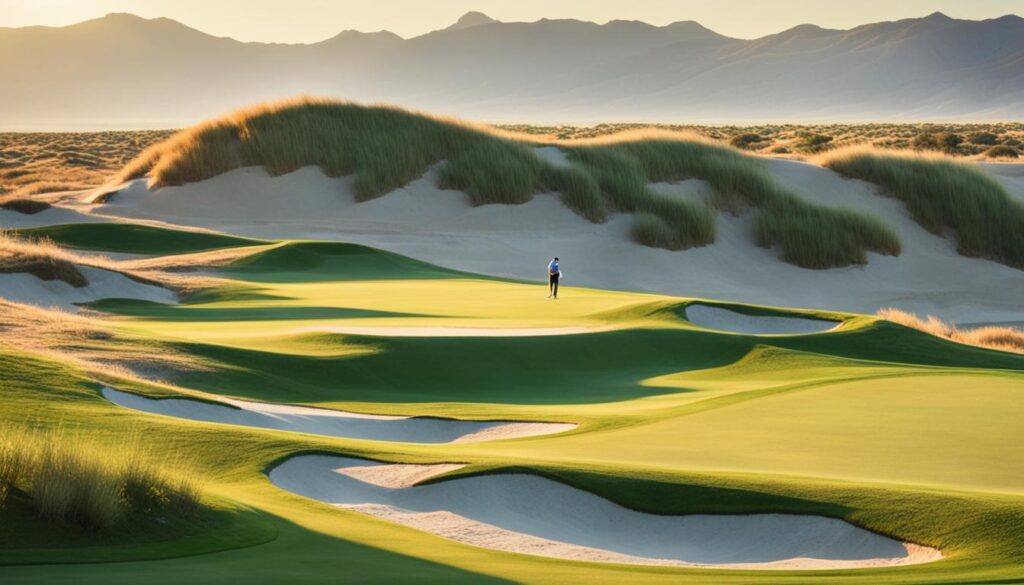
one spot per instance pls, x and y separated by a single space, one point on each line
944 195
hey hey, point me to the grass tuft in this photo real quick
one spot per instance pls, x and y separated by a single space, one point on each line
944 195
94 486
995 337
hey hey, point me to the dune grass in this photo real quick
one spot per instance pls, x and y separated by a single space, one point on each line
996 337
809 235
40 258
74 481
944 195
385 148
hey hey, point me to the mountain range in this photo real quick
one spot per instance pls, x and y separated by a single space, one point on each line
125 71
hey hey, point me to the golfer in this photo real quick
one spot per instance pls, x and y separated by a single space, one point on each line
554 273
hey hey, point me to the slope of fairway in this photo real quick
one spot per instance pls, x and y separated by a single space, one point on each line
134 238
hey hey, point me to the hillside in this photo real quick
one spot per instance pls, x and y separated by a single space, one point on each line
550 70
660 212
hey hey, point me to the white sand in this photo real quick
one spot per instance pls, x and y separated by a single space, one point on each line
532 515
440 226
553 155
11 220
103 284
398 475
333 423
722 319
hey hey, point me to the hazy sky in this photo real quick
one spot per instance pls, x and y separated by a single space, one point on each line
314 20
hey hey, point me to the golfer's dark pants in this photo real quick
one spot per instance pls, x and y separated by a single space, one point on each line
553 284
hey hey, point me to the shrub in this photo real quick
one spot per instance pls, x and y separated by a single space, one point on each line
1002 151
746 140
925 141
814 142
942 194
983 138
949 141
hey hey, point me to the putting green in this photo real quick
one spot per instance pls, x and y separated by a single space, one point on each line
891 429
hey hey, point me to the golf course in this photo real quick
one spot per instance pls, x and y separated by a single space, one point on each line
315 342
350 411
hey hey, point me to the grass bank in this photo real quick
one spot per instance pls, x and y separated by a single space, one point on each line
809 235
944 195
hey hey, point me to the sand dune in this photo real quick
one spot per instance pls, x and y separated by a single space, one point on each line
334 423
440 226
103 284
533 515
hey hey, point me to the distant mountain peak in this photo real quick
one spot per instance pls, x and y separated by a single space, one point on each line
937 17
471 19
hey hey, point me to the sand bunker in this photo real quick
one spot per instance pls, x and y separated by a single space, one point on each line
103 284
721 319
334 423
532 515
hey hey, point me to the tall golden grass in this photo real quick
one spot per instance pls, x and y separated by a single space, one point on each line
994 337
49 261
74 480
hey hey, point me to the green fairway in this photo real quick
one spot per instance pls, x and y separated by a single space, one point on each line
906 434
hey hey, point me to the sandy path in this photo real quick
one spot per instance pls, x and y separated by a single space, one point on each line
440 226
334 423
532 515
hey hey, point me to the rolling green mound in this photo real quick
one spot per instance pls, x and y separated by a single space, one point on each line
331 261
894 430
134 238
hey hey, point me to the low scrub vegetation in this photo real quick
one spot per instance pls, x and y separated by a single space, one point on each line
995 337
1002 151
36 163
803 140
944 195
73 481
